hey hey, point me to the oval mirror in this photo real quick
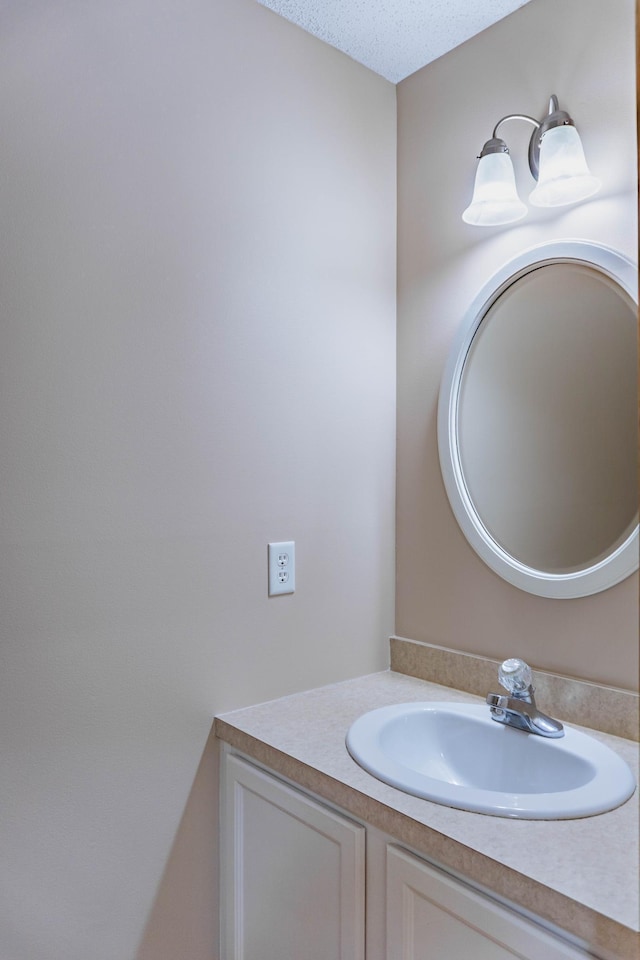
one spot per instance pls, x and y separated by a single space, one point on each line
537 420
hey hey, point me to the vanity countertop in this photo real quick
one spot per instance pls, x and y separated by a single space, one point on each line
581 875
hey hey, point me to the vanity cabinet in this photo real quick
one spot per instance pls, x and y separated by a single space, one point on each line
296 886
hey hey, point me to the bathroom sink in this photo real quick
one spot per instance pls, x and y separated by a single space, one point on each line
455 754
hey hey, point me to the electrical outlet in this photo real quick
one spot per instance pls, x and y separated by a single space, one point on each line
282 567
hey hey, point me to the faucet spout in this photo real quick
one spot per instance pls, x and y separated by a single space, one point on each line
523 715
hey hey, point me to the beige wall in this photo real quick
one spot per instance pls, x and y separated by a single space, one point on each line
583 51
197 349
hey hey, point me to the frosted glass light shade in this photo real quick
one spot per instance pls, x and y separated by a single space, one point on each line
495 199
564 176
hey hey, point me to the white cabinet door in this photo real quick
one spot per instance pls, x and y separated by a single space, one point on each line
431 916
292 873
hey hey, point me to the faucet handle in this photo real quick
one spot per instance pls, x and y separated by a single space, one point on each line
515 676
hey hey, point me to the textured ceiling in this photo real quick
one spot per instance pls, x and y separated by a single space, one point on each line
394 37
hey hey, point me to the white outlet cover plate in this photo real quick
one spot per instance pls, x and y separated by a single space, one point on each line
282 567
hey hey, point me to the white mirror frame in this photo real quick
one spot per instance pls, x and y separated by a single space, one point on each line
623 561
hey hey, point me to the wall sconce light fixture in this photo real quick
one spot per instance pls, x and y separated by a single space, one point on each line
556 161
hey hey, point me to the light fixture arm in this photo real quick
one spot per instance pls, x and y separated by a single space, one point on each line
554 118
515 116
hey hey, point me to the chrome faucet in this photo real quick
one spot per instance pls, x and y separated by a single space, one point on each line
519 708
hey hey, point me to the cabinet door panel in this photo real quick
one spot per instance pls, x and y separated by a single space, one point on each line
432 916
293 873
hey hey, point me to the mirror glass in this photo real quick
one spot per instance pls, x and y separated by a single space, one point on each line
538 421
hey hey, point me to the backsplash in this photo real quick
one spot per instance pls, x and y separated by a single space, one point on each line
608 709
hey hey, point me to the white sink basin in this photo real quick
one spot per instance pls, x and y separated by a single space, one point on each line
455 754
